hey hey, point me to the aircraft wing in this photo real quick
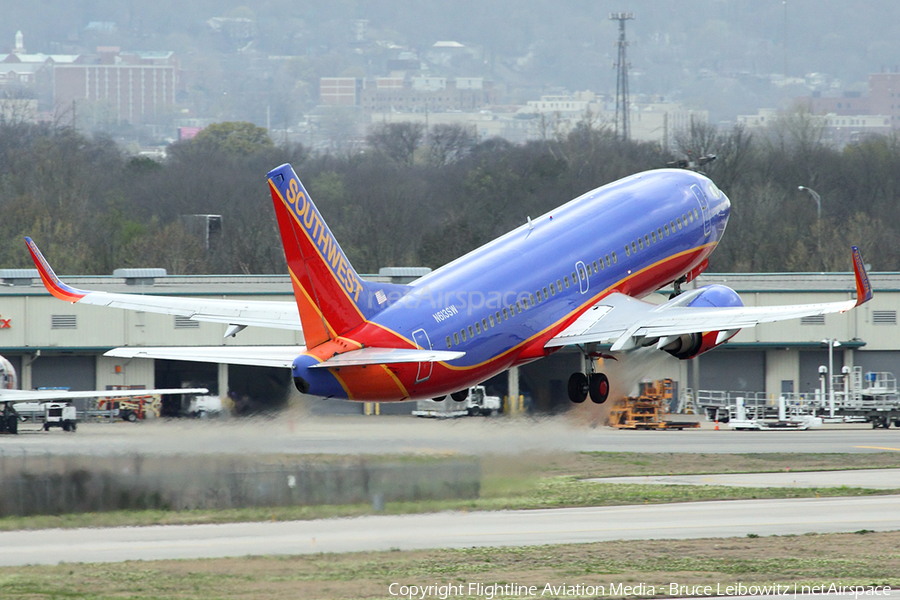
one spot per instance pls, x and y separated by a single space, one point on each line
41 395
628 322
238 313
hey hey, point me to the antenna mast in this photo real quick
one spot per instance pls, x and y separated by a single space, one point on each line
622 121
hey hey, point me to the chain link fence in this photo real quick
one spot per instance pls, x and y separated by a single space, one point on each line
35 484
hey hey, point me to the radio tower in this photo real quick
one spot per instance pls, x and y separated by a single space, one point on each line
622 127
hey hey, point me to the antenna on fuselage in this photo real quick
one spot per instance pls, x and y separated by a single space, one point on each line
691 164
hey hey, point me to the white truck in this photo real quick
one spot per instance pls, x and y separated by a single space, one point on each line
476 402
59 414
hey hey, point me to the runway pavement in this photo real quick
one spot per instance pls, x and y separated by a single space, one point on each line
454 530
878 479
297 434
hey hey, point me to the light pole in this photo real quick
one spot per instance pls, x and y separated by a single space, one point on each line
832 344
818 200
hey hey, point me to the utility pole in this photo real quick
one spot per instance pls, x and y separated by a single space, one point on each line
622 123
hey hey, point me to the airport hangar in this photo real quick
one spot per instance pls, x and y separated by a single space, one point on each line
55 344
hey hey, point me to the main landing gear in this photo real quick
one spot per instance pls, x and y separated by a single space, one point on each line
595 385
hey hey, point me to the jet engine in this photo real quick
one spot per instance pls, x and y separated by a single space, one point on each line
689 345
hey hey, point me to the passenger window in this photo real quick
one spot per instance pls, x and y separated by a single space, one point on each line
696 214
498 317
566 279
553 289
615 258
595 267
633 247
627 251
512 311
518 307
601 264
538 294
462 334
679 222
647 240
505 315
545 294
640 243
471 333
673 226
532 299
484 324
607 258
477 327
666 227
690 217
455 338
659 231
449 344
559 285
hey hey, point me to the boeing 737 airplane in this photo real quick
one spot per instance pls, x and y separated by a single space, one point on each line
572 277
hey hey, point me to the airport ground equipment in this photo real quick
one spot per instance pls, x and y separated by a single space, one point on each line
857 397
471 402
131 409
59 414
9 419
648 410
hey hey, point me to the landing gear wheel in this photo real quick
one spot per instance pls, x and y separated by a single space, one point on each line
578 387
599 388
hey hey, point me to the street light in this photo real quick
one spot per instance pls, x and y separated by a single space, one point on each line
818 200
832 344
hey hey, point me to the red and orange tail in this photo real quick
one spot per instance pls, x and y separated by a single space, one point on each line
330 294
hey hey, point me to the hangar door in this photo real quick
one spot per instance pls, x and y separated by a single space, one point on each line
810 361
733 371
72 372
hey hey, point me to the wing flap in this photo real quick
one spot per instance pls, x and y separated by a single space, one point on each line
624 317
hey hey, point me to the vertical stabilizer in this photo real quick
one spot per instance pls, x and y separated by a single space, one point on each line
331 296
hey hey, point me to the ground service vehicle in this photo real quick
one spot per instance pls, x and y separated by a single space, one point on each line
59 414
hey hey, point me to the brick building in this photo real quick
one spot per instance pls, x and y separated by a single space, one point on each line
138 87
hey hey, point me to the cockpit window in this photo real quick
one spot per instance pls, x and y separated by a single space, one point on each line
714 191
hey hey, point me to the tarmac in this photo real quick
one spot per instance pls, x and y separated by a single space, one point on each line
875 479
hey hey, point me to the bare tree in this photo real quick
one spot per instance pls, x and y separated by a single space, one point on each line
449 143
397 141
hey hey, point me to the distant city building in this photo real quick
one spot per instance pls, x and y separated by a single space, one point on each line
408 94
137 87
838 129
883 100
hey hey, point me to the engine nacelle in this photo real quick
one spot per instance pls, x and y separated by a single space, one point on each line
689 345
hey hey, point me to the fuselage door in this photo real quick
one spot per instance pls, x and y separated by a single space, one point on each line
422 341
704 207
584 281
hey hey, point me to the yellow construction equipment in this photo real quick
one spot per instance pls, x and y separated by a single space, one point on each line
648 410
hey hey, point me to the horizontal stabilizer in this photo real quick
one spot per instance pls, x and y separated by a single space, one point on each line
386 356
254 356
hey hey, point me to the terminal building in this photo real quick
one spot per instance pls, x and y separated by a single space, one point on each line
55 344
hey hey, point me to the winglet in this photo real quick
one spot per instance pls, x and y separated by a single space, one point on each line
863 288
53 283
